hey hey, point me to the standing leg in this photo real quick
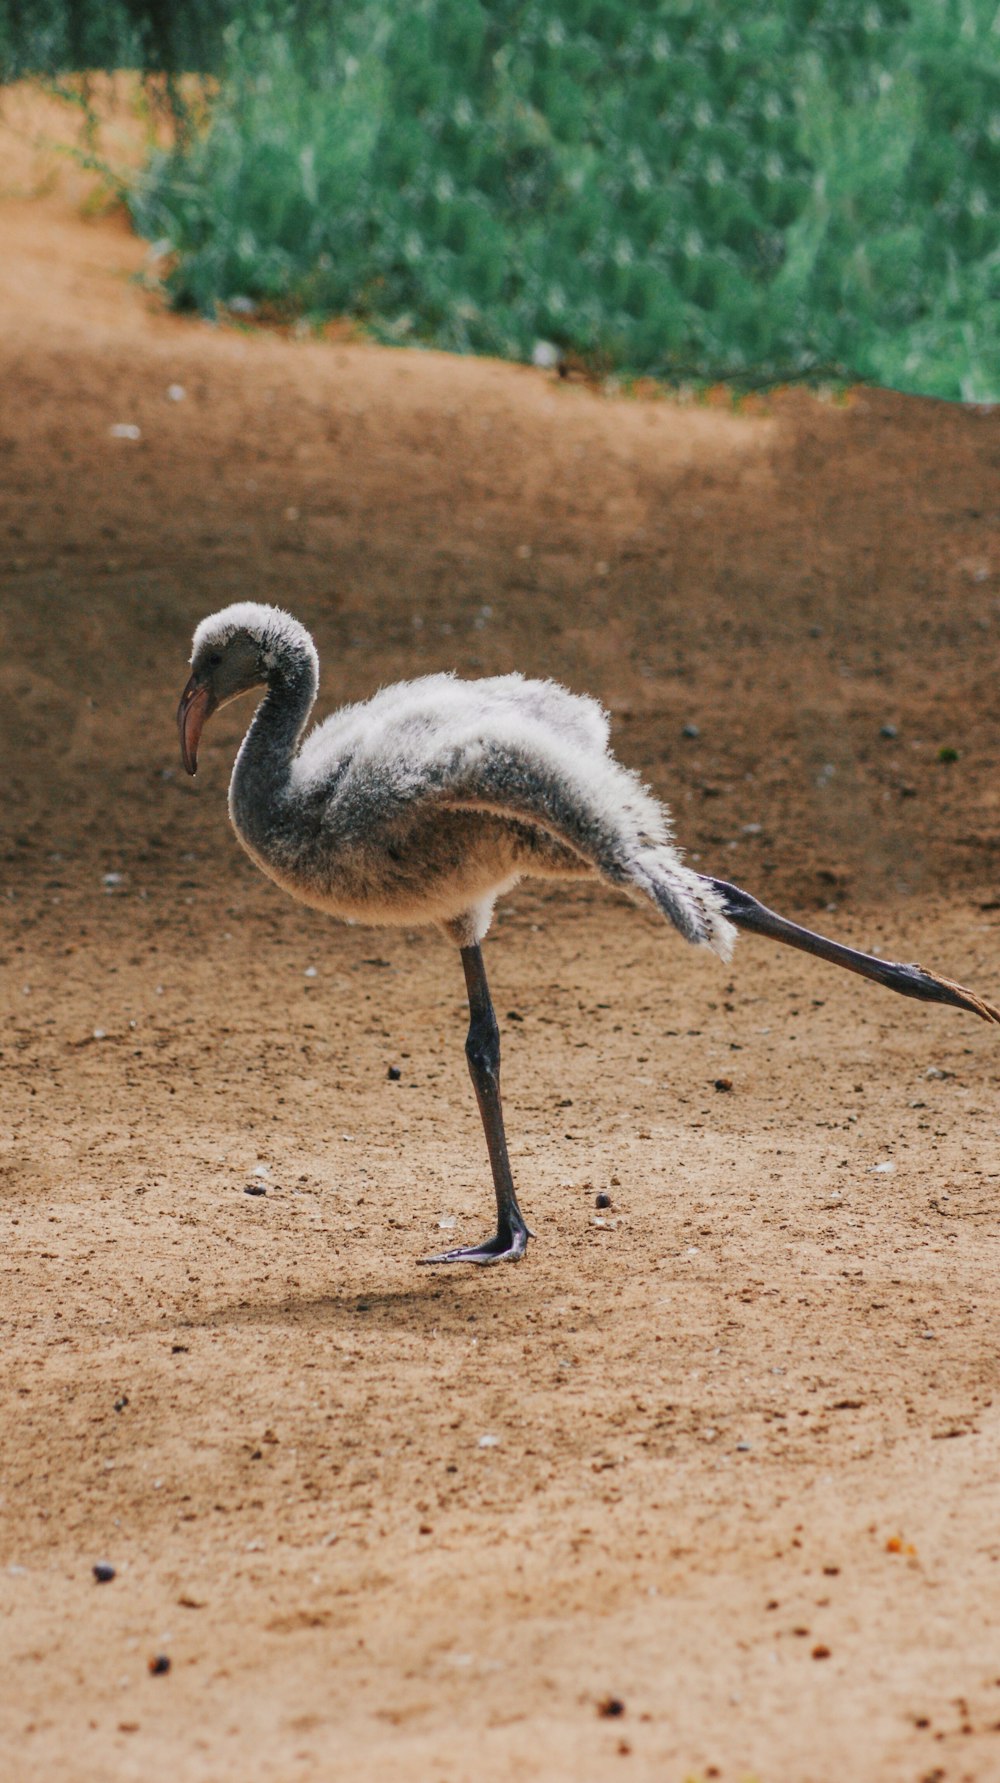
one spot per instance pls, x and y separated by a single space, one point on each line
482 1049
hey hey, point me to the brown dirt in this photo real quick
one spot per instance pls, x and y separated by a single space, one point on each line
748 1427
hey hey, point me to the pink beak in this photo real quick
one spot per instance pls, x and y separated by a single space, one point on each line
197 705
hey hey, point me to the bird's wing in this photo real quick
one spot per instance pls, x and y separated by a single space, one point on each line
593 806
513 765
588 801
603 813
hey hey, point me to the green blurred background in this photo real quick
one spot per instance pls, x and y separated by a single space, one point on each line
691 192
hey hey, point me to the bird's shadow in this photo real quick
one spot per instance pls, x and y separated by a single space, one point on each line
417 1309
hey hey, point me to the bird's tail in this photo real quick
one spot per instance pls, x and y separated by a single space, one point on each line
910 981
685 898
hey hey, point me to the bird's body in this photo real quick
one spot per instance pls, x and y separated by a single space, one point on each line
426 802
365 828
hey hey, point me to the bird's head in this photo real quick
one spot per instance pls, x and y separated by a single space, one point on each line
242 647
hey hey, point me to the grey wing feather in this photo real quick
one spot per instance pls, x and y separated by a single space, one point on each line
597 808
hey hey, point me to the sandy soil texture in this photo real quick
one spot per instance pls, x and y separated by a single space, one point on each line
707 1488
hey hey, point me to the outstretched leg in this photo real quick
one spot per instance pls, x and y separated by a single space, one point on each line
908 980
482 1049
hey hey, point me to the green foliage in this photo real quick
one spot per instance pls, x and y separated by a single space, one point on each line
687 189
60 36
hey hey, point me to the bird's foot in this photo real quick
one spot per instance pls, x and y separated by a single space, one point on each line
504 1247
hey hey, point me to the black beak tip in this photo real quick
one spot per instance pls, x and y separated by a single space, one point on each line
196 705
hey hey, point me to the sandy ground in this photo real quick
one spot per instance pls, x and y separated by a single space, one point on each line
742 1472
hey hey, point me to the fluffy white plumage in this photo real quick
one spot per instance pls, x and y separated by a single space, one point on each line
427 801
275 630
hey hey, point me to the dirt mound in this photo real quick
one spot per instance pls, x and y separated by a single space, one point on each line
724 1452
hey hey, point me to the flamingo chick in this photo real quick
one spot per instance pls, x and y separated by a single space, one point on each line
427 802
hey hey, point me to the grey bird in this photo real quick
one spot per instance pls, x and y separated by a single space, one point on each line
428 801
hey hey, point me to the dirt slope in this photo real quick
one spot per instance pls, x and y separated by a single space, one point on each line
746 1421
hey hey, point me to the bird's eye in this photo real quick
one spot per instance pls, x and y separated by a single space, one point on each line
215 659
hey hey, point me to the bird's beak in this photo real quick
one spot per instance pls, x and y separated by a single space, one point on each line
198 702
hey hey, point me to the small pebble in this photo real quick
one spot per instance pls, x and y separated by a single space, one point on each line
121 1403
159 1664
394 1074
255 1188
888 730
723 1083
602 1200
611 1707
690 730
103 1572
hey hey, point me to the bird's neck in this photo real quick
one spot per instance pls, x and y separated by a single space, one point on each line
262 773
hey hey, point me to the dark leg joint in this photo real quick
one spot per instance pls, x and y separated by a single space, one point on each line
482 1049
